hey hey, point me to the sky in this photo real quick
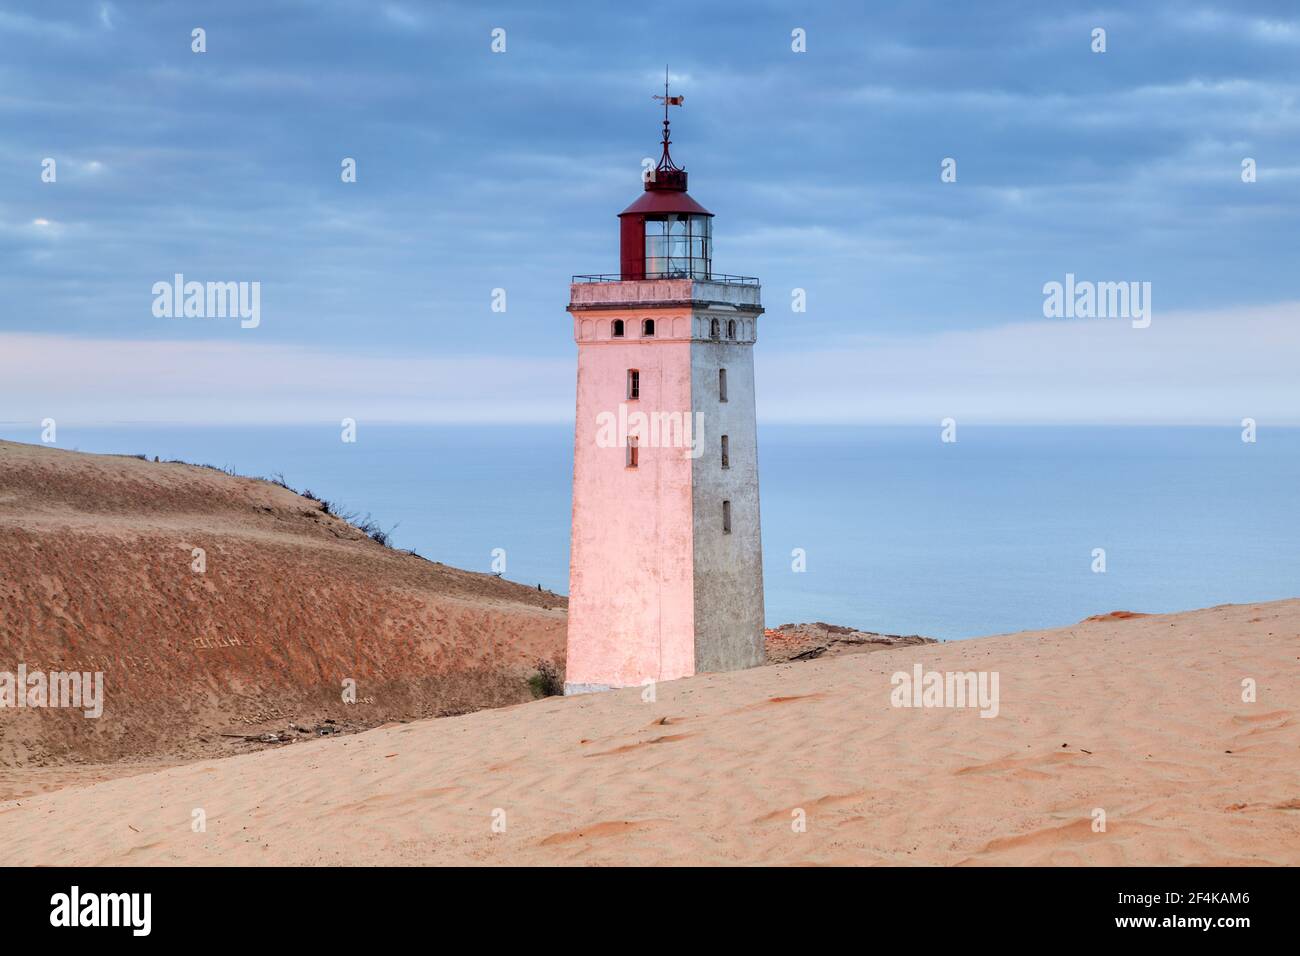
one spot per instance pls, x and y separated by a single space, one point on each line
479 170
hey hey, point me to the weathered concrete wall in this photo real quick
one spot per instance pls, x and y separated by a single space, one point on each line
656 589
631 575
728 567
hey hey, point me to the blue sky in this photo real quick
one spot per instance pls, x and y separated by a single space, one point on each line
479 170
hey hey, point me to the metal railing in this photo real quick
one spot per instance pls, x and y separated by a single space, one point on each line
712 277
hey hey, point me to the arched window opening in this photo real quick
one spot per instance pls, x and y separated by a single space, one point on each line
715 329
648 328
731 329
618 328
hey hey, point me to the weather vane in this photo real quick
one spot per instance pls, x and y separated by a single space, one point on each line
665 161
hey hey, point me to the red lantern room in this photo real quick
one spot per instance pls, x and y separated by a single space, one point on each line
666 234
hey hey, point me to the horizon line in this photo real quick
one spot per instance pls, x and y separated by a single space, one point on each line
1234 424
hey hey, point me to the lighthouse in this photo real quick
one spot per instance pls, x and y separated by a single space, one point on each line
666 571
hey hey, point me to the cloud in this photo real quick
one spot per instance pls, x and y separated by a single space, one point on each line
479 171
79 379
1188 368
1216 23
38 232
1190 104
36 27
401 17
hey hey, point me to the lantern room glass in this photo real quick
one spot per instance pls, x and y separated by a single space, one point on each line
677 247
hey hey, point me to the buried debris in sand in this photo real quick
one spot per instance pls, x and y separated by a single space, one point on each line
805 642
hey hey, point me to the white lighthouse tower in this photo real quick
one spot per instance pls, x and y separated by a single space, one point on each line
666 576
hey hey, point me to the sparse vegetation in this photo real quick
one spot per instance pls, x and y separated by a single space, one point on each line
225 470
547 682
367 525
325 505
373 529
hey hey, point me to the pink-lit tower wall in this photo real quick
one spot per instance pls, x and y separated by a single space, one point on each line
665 576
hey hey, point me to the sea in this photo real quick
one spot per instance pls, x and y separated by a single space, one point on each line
886 529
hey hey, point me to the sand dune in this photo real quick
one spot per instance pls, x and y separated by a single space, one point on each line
97 574
1141 717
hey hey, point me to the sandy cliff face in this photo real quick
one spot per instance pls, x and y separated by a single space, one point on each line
97 573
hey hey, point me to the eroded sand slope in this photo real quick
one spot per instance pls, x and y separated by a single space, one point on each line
96 574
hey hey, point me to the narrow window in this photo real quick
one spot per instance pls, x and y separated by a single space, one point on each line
726 517
722 384
715 329
633 383
648 328
731 328
726 452
618 328
633 456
